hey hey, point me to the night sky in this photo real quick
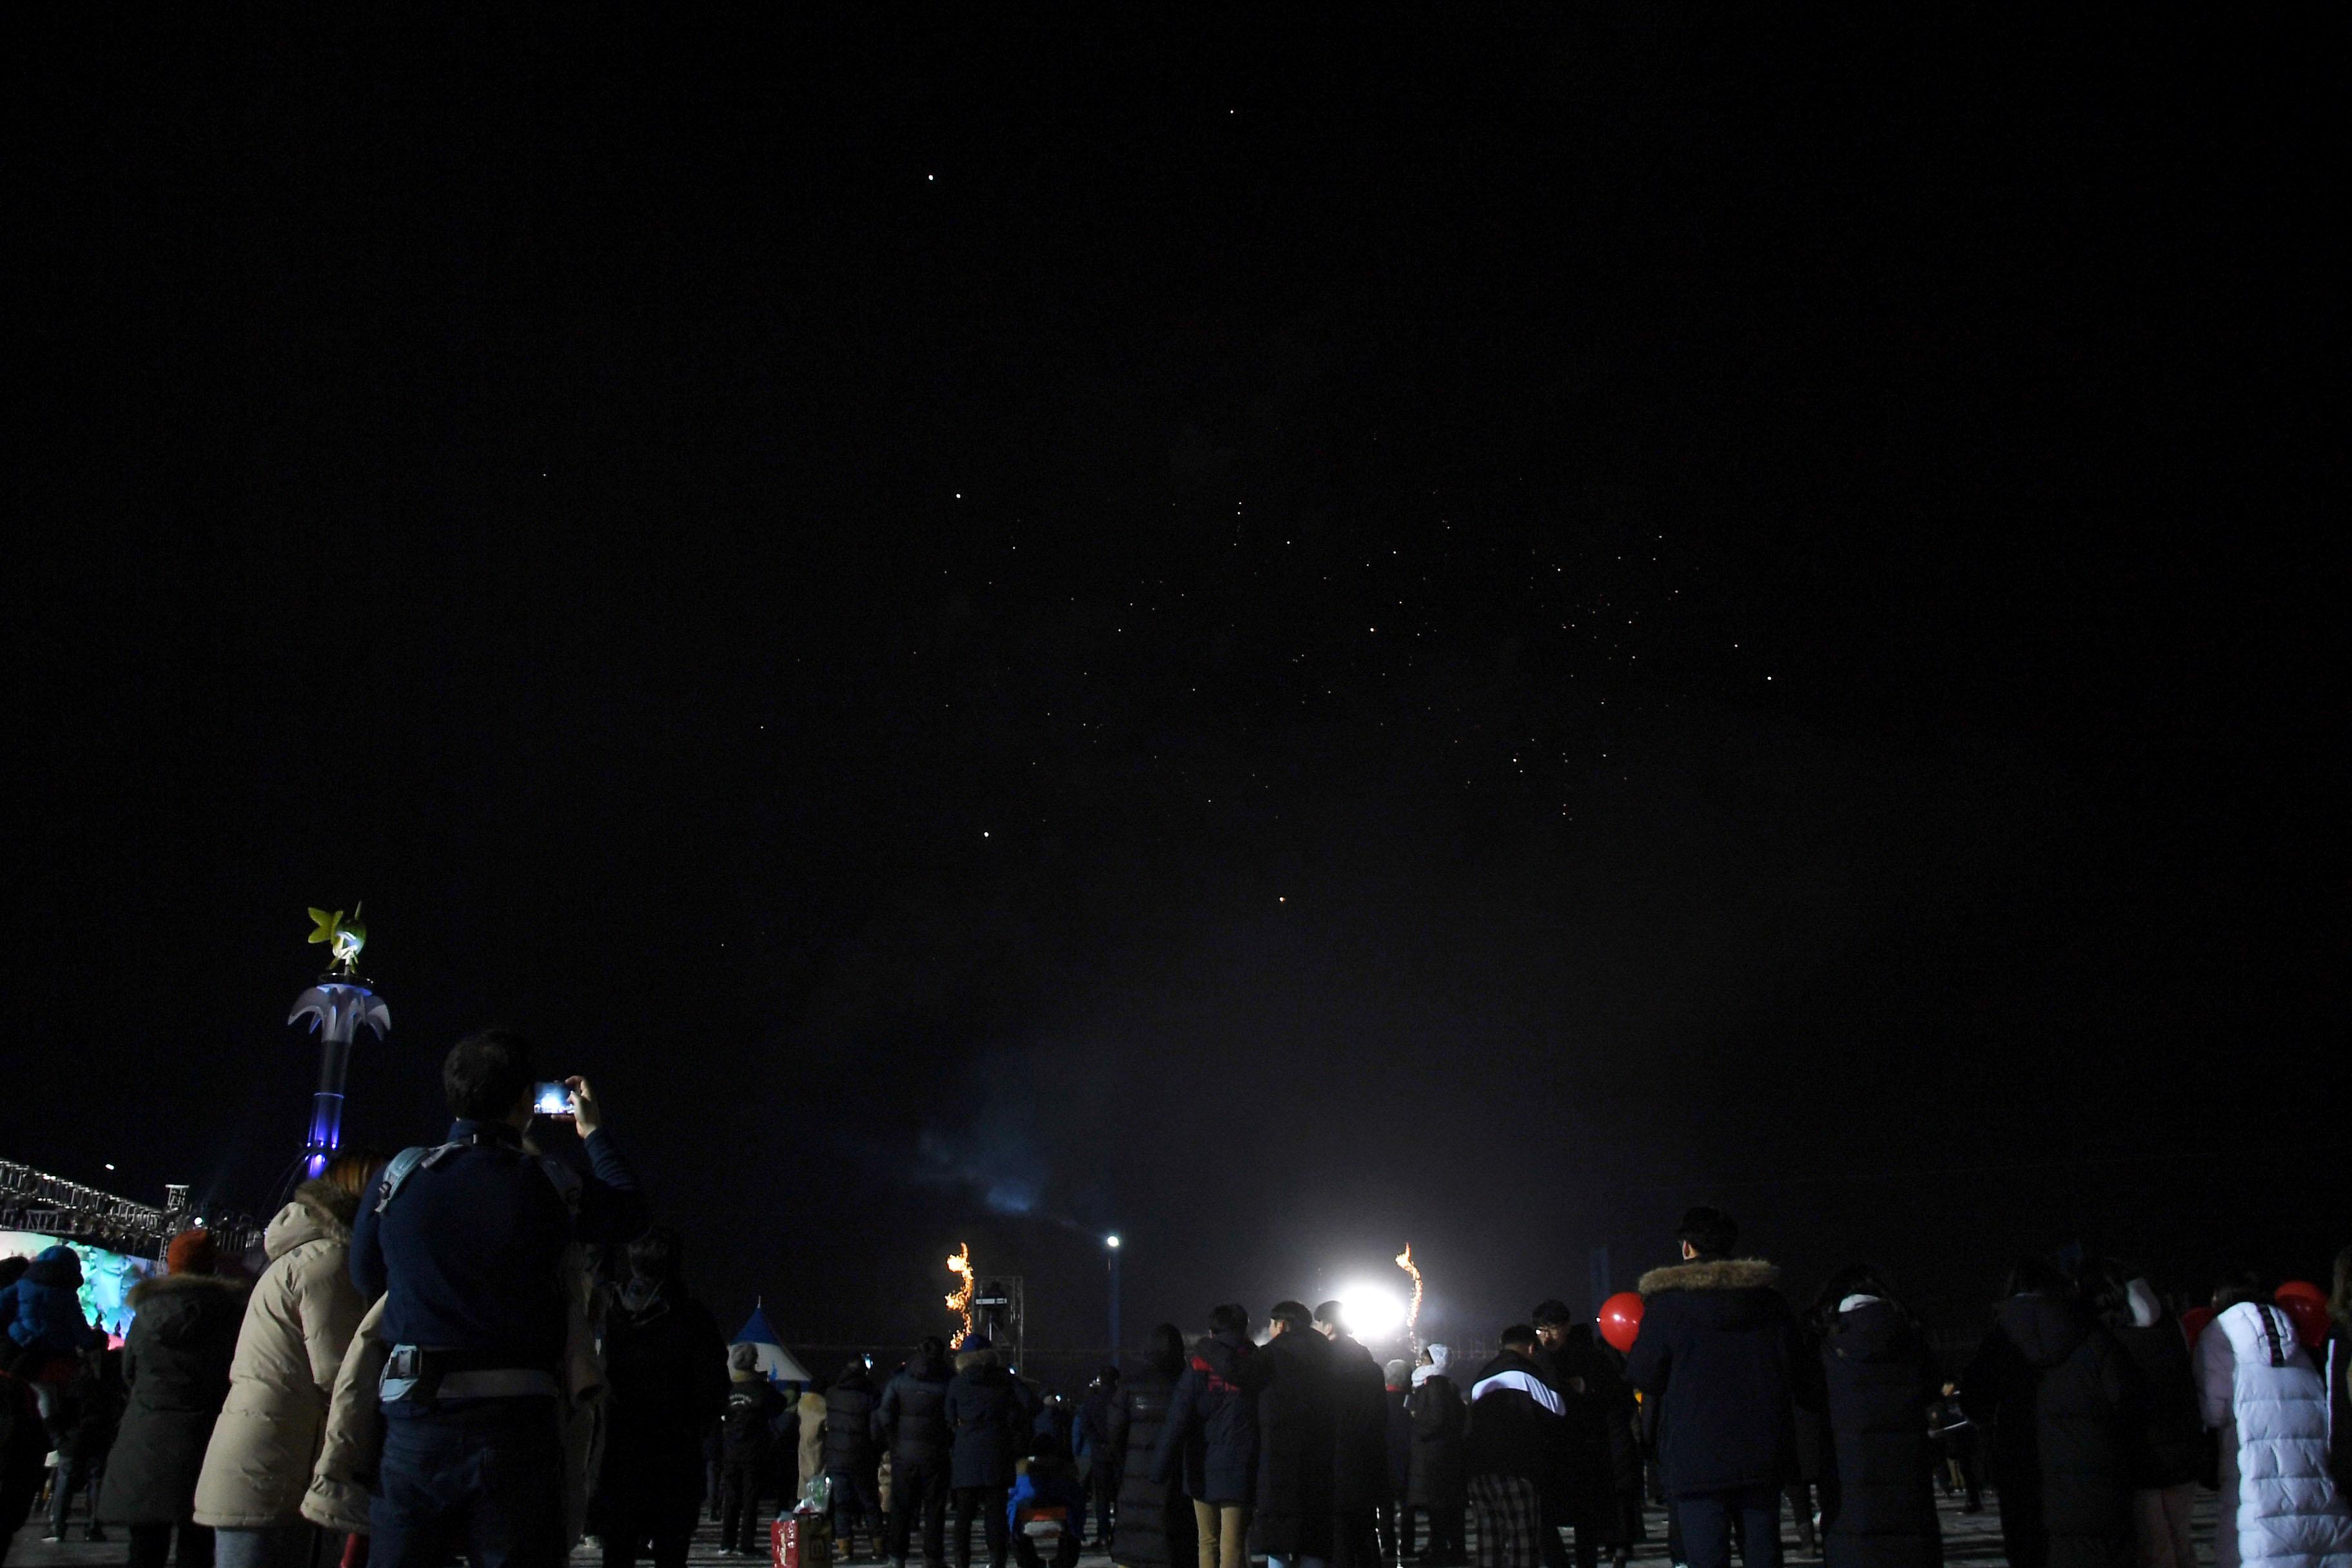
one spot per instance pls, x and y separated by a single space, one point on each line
1466 626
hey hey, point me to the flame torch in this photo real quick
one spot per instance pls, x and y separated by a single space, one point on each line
959 1303
1413 1313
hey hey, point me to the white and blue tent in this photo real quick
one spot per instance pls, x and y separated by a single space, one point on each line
775 1360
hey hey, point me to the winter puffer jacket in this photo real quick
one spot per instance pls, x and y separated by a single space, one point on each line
1359 1405
1208 1449
1153 1524
849 1448
666 1371
1297 1429
175 1364
1721 1355
2279 1506
2060 1397
2172 1443
297 1322
45 1306
911 1418
1878 1502
990 1412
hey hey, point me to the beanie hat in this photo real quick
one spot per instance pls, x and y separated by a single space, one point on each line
192 1252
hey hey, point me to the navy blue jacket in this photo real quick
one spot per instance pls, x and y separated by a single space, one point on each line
1878 1500
991 1412
1208 1449
467 1253
1721 1355
911 1417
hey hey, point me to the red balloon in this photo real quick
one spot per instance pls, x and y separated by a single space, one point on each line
2193 1322
1620 1319
2306 1305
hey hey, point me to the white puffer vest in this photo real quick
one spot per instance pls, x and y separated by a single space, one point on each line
2278 1507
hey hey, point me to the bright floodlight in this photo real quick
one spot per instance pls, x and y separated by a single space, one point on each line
1110 1241
1372 1312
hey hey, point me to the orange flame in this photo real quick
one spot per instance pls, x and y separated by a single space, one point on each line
961 1303
1413 1314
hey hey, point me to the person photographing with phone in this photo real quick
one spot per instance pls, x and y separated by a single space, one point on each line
465 1241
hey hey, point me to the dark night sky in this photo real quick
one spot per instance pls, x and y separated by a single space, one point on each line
1464 626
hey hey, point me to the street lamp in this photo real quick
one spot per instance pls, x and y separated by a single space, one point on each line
1110 1251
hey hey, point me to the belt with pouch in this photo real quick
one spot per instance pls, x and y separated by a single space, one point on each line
421 1374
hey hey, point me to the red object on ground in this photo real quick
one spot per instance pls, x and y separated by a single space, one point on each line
2193 1322
355 1550
799 1541
2306 1305
1620 1319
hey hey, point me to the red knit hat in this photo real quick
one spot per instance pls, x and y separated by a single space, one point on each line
192 1252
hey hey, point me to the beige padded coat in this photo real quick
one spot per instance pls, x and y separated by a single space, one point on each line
297 1322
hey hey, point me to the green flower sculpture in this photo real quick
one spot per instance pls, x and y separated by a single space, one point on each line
342 937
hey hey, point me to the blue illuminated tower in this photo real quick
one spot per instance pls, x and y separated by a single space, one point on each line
337 1005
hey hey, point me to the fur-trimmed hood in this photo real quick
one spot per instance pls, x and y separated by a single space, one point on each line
1712 1274
976 1361
183 1308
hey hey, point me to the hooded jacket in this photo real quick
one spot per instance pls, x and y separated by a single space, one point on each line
1152 1527
911 1417
1439 1478
1209 1446
1296 1431
1878 1503
1722 1355
297 1322
44 1306
2061 1395
989 1410
849 1404
2279 1506
2172 1442
1516 1417
175 1367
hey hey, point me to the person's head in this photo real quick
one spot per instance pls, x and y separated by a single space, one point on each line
2340 1299
1232 1318
1855 1279
192 1252
1396 1375
932 1349
1551 1320
1708 1233
2036 1277
654 1256
2244 1285
1331 1319
1520 1338
1164 1348
488 1077
851 1370
1288 1317
352 1172
743 1362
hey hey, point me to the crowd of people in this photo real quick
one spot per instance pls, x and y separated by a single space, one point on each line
479 1350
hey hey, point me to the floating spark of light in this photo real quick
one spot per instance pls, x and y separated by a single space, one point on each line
961 1303
1413 1313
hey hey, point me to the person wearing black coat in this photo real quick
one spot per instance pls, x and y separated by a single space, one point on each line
1878 1378
666 1381
1577 1494
1602 1368
853 1460
2059 1394
1439 1483
1153 1524
1511 1451
176 1363
23 1448
1298 1430
1722 1358
990 1412
910 1421
747 1444
1209 1448
2174 1449
1398 1389
1360 1408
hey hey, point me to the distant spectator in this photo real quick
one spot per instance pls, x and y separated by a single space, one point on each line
2173 1449
1361 1445
1209 1451
1297 1428
1396 1387
89 1415
747 1442
666 1371
991 1414
1439 1483
911 1421
1100 1454
852 1460
1878 1495
1153 1527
